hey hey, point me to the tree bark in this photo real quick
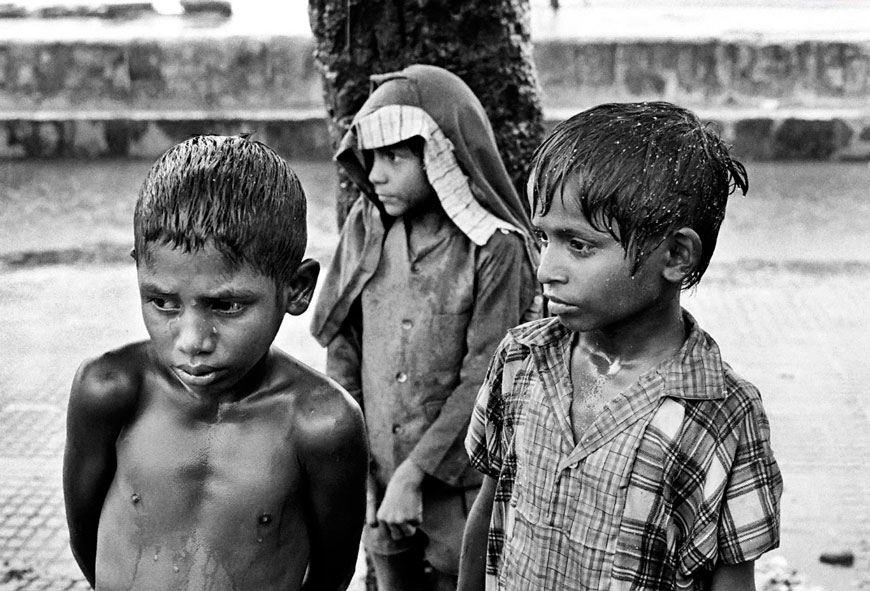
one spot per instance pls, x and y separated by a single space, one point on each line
487 44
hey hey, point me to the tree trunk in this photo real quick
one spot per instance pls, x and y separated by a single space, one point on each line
487 44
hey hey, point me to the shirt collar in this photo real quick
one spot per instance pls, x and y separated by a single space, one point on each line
695 372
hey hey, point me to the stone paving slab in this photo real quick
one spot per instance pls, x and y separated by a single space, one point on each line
802 339
784 297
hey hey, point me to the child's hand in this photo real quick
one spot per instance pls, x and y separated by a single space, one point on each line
371 501
402 508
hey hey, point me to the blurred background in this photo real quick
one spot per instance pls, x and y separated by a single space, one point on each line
92 92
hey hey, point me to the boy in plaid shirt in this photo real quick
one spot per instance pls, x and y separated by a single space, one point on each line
619 450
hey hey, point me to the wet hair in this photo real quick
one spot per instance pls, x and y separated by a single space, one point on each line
639 171
231 190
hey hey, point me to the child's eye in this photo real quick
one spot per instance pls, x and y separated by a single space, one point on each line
165 304
579 246
227 308
540 236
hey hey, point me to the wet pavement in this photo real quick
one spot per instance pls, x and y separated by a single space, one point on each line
784 297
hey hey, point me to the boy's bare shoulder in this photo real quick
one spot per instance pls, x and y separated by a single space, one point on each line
324 413
109 385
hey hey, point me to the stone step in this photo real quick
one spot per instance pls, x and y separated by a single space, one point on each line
756 134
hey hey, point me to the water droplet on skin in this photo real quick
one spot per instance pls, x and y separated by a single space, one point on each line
259 540
135 498
155 558
214 330
264 519
175 568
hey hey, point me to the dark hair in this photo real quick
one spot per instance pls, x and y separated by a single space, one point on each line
232 190
414 143
639 171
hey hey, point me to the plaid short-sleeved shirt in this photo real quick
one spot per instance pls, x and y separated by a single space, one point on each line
675 474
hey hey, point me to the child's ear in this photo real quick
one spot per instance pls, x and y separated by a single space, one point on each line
684 254
301 288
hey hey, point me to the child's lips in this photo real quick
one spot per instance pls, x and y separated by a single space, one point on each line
557 307
197 375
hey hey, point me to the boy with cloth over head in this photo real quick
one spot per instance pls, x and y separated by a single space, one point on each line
620 450
436 261
205 458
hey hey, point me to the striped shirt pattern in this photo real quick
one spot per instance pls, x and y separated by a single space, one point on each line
391 124
674 475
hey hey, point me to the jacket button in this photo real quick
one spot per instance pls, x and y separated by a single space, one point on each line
401 377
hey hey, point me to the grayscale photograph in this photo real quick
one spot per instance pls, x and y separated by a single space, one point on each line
434 295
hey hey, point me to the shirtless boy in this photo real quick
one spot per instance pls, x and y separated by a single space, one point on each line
204 457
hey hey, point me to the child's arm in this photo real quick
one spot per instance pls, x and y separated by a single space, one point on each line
343 355
100 399
335 459
343 365
472 561
734 577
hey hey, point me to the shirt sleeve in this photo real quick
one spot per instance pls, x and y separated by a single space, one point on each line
483 440
343 356
505 289
749 523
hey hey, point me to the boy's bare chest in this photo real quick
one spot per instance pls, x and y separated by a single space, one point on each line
178 459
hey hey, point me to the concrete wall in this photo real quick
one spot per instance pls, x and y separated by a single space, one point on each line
804 100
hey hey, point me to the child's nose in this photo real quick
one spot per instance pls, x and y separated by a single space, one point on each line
549 267
194 334
376 174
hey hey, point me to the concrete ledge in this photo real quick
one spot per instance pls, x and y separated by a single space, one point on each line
710 74
278 72
142 137
199 74
111 96
805 135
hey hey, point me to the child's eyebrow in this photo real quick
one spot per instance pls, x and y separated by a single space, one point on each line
228 293
231 293
566 230
151 287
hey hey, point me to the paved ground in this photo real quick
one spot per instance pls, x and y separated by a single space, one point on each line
785 298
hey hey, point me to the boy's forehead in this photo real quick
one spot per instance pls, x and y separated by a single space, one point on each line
177 262
565 214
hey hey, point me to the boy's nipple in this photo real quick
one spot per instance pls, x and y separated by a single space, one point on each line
263 520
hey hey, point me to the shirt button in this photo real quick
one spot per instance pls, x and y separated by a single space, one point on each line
407 324
401 377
